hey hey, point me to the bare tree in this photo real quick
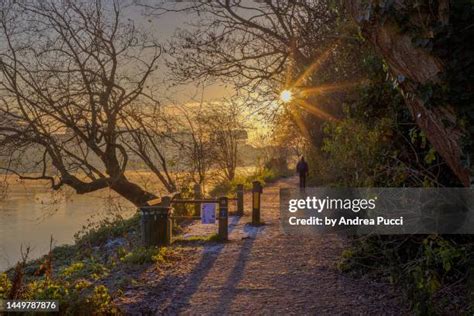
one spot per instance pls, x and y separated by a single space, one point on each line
249 43
148 134
227 130
73 77
191 135
208 135
264 47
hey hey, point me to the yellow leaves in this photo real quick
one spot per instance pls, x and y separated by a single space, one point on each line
5 285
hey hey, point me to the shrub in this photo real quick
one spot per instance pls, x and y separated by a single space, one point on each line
95 234
101 302
140 255
75 268
199 239
144 255
163 255
5 286
354 154
421 265
47 289
225 187
88 268
79 297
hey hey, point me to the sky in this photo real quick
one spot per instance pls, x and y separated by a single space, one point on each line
164 27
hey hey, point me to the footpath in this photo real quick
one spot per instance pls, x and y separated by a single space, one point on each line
260 271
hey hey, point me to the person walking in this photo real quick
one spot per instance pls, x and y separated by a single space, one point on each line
302 169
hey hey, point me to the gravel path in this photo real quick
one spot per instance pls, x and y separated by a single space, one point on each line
260 271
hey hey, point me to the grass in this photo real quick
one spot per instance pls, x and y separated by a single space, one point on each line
86 276
105 259
144 255
199 239
263 175
96 234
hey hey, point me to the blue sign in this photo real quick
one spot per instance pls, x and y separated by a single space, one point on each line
208 213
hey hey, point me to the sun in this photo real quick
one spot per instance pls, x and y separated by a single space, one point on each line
286 96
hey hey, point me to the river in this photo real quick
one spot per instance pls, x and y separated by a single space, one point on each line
30 213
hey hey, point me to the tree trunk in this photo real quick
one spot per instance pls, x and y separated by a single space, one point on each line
128 190
132 192
415 66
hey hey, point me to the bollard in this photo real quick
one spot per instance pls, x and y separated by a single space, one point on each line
223 219
240 200
156 224
256 193
197 196
180 209
166 225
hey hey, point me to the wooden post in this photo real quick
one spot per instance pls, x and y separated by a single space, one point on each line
240 200
180 209
165 201
166 223
197 196
156 224
256 193
223 218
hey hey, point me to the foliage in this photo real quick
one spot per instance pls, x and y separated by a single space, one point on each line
140 255
443 29
100 300
79 297
47 289
263 175
198 239
5 285
356 152
454 46
73 269
422 265
87 268
377 144
89 274
97 233
64 254
143 255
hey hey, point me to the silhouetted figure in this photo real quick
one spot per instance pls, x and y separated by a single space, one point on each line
302 169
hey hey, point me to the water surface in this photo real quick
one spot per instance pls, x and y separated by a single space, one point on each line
30 213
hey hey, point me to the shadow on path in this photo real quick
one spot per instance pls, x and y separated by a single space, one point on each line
228 293
210 254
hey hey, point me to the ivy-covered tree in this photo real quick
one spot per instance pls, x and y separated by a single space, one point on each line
428 48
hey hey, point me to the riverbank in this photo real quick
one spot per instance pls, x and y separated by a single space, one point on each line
31 206
94 266
108 271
